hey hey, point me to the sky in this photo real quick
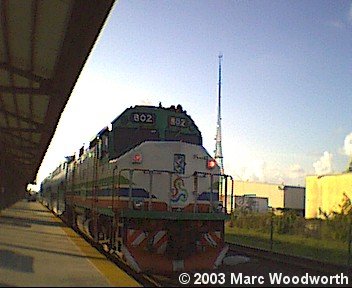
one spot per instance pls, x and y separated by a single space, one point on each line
286 81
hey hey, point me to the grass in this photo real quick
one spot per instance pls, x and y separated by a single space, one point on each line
330 251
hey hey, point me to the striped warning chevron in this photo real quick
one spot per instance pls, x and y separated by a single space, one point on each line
139 238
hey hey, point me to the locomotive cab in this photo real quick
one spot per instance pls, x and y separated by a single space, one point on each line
148 123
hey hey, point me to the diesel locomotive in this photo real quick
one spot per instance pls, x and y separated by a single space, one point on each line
147 190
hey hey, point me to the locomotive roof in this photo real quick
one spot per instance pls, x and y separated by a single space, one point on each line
171 123
173 110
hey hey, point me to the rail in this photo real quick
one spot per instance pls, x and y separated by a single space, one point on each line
288 259
144 279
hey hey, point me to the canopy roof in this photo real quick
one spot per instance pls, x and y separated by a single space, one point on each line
43 47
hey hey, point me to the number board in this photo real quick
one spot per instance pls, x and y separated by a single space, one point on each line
179 163
178 121
141 117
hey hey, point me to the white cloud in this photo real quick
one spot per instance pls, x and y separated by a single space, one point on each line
243 164
324 164
340 24
336 24
254 171
147 102
258 170
347 147
292 174
295 171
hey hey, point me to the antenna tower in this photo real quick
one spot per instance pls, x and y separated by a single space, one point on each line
218 149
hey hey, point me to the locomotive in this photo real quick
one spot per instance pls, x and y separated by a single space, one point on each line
147 190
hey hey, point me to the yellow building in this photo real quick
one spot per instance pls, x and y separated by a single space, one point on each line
279 195
327 193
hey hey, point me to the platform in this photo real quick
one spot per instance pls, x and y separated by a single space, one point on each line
38 249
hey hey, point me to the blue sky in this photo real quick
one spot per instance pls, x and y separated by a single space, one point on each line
286 92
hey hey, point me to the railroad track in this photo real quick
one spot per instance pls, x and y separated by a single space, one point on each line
144 279
306 264
299 262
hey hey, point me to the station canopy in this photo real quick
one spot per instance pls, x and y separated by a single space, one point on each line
43 47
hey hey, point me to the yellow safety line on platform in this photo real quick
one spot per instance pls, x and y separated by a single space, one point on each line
116 276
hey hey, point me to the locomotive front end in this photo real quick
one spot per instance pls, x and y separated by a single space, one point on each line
180 224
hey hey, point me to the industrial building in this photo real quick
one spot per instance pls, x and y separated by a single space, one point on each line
327 194
280 196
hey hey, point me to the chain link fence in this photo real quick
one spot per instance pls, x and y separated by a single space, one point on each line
286 232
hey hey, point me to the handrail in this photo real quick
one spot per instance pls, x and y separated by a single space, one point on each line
195 175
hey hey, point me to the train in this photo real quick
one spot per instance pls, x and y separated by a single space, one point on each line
146 190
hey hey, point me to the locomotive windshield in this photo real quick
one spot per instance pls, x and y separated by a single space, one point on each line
149 123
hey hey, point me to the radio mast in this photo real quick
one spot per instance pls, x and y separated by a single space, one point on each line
218 149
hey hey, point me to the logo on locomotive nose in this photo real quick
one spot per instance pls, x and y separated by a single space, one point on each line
180 193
